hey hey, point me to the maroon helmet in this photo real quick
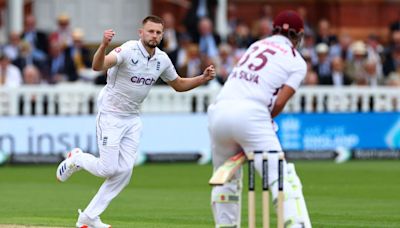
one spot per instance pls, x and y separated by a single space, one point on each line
288 23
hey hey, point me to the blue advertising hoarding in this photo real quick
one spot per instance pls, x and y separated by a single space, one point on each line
162 133
327 131
187 133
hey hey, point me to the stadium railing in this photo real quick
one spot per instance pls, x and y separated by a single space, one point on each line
80 99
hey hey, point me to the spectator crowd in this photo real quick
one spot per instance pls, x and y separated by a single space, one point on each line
36 57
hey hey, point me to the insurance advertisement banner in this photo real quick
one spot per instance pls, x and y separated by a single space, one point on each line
166 133
187 133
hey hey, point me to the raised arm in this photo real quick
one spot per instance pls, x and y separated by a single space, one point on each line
185 84
101 61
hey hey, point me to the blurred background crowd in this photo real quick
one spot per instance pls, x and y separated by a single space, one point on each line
35 56
192 41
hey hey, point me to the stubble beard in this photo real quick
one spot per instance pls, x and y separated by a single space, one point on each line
151 44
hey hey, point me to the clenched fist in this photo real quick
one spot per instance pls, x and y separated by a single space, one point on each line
108 36
209 73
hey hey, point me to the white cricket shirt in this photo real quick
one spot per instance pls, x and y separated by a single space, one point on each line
130 80
265 67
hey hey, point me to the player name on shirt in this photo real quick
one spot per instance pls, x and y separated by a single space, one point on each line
241 74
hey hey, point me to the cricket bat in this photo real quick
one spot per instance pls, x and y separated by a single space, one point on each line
225 172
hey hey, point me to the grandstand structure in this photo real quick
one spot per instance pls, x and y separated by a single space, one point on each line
346 16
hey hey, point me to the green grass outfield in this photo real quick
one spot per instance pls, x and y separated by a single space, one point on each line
354 194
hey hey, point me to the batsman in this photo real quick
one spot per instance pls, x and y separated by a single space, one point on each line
257 90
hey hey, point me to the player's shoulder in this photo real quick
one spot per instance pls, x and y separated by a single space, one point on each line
298 55
127 46
133 44
299 58
160 54
295 57
258 43
296 63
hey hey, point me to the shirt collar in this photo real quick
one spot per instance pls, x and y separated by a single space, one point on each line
281 38
144 51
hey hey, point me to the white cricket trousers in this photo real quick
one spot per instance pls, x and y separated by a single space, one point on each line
243 123
236 125
117 140
247 124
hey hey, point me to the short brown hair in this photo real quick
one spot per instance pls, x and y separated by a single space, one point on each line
153 18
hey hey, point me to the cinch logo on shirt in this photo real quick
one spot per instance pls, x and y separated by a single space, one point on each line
142 81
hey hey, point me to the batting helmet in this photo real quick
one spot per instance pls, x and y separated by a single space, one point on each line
288 23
